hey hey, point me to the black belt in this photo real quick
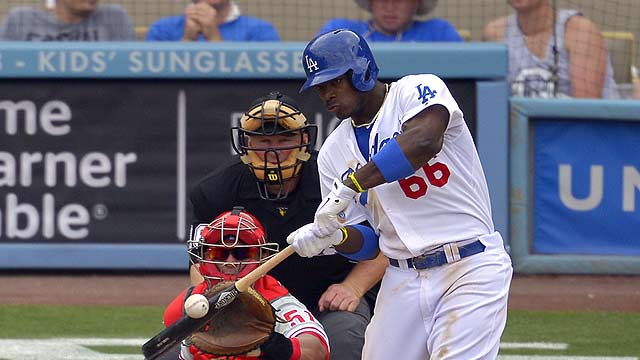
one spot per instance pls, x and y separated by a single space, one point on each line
440 257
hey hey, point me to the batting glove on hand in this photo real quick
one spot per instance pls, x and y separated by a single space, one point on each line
326 218
307 244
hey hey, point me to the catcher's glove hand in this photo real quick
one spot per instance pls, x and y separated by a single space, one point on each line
241 326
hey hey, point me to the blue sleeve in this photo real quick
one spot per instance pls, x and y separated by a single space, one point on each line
266 32
153 33
166 29
369 249
447 31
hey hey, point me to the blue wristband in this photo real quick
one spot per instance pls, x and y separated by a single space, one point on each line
392 162
369 249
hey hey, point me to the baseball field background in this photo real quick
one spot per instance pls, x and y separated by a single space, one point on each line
108 317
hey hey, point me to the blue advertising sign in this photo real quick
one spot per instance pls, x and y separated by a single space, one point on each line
233 60
586 187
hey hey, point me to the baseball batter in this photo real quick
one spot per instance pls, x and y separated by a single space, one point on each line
404 158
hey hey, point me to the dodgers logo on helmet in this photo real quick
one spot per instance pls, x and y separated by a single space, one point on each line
333 54
311 64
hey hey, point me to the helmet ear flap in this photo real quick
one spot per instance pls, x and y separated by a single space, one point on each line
362 81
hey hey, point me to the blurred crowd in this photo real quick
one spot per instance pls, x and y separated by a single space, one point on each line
553 52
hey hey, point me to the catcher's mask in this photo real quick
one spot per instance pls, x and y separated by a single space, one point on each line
235 233
274 115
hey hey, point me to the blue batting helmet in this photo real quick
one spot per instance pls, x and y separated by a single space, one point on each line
333 54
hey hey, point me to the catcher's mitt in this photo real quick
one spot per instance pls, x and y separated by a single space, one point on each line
241 326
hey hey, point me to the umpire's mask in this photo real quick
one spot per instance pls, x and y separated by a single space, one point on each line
274 140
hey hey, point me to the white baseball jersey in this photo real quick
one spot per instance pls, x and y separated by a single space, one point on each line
446 200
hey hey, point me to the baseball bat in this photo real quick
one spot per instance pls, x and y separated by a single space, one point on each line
181 329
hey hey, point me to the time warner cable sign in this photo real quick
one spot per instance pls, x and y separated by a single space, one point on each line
39 171
88 162
586 187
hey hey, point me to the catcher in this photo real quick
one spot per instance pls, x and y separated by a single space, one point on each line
281 327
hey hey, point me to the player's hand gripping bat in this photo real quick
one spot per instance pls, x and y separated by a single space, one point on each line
186 326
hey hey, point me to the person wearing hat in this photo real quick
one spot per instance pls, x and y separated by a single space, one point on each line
394 20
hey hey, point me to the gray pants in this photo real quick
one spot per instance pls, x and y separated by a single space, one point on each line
346 331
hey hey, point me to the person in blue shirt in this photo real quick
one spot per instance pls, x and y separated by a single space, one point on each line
211 20
393 20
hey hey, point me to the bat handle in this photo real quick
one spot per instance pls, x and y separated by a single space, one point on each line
243 284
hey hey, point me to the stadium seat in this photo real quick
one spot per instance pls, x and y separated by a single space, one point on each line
622 50
141 32
465 34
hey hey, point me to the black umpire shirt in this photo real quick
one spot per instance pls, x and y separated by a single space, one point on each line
233 184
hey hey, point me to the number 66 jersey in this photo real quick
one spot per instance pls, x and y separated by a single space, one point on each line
444 201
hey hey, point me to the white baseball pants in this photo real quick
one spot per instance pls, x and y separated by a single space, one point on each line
454 311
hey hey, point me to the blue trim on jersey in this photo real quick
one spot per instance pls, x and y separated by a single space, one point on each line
362 137
369 249
392 162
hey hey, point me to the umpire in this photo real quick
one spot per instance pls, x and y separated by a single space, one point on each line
275 177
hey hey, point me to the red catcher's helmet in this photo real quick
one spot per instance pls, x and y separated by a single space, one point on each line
236 233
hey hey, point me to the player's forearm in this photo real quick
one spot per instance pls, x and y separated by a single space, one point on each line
366 274
311 347
367 176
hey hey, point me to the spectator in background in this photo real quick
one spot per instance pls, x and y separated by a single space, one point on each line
68 20
393 20
574 64
212 20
